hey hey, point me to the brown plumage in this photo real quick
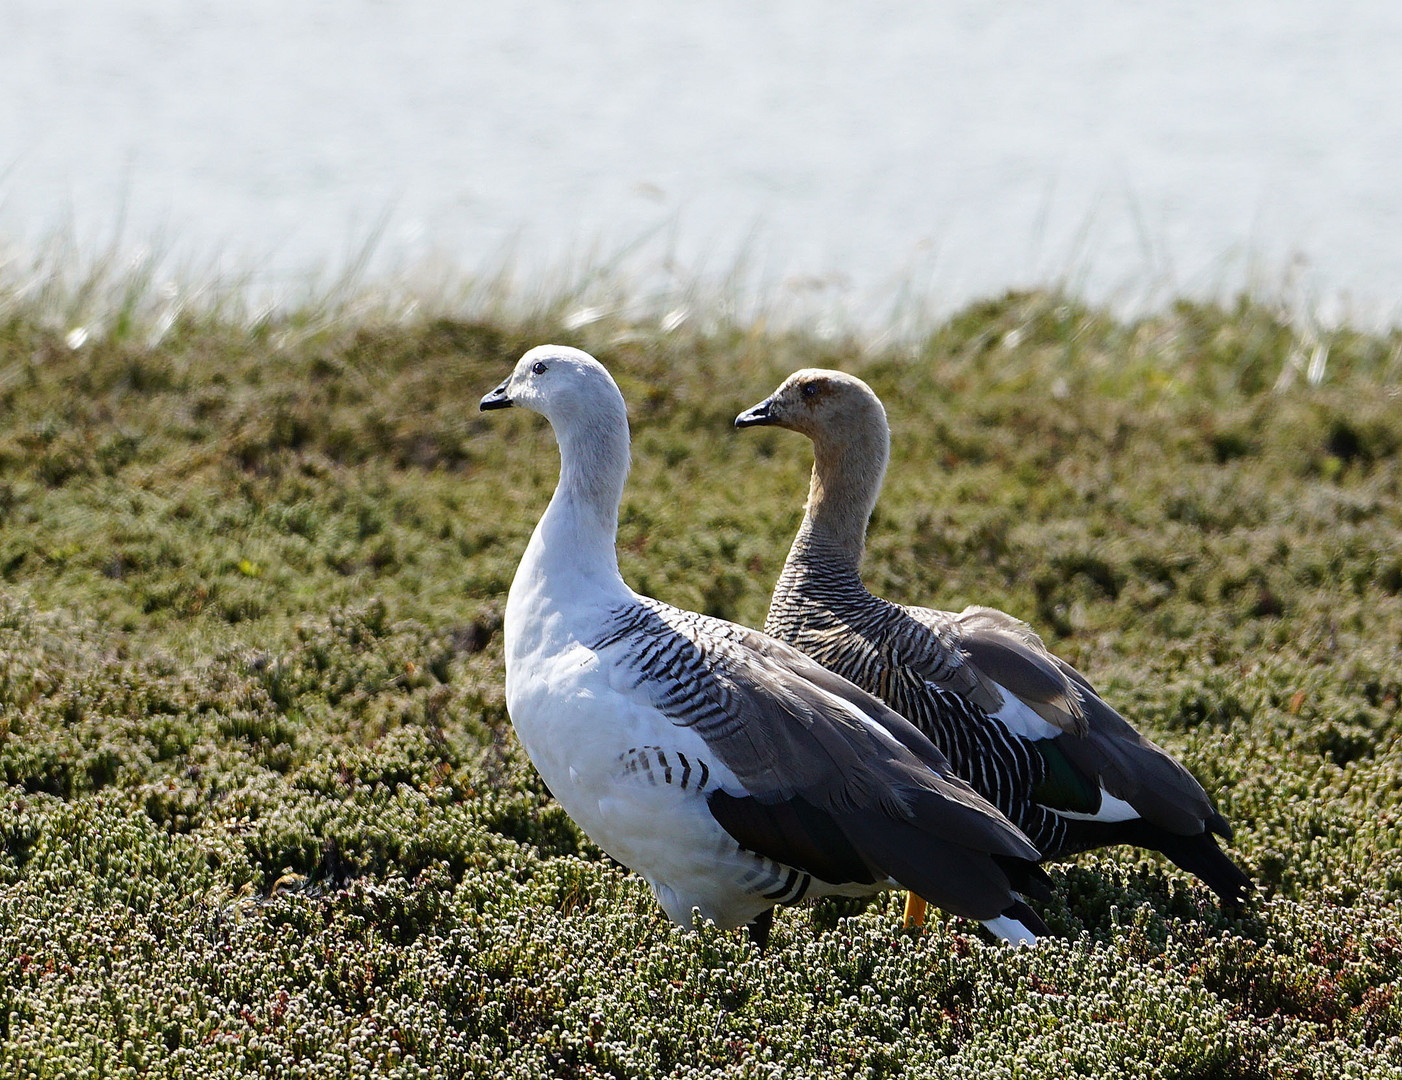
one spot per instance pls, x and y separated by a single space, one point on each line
1022 726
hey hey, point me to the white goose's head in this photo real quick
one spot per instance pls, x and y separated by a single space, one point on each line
590 420
567 386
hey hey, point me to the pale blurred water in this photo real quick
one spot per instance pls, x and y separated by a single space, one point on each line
848 153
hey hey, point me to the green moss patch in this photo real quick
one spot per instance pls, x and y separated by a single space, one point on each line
263 812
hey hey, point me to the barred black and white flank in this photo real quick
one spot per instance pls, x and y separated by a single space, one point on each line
1023 727
730 770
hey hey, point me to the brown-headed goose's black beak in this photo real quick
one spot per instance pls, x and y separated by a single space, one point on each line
756 415
497 399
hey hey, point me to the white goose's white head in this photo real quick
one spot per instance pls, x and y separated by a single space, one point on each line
590 420
567 386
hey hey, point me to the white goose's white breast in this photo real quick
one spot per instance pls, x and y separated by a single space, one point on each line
553 702
579 732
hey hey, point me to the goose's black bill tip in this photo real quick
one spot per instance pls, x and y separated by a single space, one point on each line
497 399
754 415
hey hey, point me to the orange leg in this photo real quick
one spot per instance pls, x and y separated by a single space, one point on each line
914 910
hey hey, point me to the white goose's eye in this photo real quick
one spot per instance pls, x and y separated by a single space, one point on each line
538 367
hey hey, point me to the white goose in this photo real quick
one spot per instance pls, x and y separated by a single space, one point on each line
728 769
1024 727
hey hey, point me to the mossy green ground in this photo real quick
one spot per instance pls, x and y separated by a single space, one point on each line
264 814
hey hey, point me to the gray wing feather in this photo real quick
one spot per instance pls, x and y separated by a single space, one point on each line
1136 769
1098 740
999 650
768 712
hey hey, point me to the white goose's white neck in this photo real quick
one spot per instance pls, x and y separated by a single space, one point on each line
568 577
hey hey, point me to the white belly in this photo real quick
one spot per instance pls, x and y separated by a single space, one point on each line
581 736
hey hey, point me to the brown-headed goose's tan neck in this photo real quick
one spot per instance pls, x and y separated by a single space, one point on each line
847 475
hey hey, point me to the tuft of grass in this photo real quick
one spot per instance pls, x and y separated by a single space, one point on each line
264 812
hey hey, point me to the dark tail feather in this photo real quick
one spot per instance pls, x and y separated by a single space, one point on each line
1027 878
1199 855
759 930
1029 918
1218 824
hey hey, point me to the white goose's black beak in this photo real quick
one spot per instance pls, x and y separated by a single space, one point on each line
756 415
497 399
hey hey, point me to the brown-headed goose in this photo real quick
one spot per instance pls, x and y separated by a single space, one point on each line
1023 727
728 769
